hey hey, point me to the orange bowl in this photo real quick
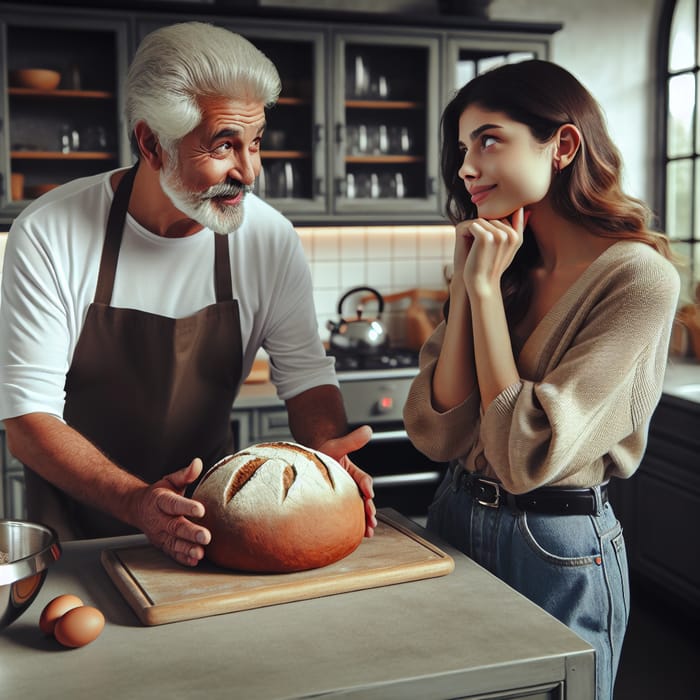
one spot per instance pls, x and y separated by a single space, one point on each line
37 78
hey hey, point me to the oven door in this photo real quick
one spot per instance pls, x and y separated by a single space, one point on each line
404 478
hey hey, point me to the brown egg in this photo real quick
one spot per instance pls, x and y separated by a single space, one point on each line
79 626
54 610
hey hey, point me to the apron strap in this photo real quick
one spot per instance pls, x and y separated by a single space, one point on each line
113 238
222 268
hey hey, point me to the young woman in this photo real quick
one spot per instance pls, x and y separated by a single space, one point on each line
540 384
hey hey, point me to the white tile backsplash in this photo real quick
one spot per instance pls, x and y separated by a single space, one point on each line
390 258
3 242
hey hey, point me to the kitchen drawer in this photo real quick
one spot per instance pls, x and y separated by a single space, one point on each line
272 425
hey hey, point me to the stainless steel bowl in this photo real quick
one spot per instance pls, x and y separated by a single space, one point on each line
26 551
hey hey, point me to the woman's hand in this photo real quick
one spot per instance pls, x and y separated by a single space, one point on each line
487 248
338 448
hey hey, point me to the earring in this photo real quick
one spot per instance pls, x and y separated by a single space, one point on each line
556 166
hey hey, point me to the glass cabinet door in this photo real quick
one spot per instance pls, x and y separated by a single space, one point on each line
62 101
293 150
385 141
467 58
293 177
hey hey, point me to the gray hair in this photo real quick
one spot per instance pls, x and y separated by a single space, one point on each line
177 65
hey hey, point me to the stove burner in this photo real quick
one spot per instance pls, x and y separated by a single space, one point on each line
389 359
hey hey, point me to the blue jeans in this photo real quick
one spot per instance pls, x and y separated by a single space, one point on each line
573 566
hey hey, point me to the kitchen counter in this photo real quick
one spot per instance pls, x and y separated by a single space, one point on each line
682 380
462 635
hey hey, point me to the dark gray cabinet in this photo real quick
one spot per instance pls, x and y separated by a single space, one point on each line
53 134
354 137
659 507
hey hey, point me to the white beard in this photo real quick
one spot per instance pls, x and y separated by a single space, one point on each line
201 206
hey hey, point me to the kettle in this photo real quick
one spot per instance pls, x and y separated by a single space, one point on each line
359 335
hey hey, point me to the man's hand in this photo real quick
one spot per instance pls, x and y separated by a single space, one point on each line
163 512
338 448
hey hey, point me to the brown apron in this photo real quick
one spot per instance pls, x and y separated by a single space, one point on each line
151 392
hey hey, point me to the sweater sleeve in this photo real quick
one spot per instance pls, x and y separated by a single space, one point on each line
598 386
440 436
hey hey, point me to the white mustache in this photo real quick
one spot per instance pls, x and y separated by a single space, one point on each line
226 190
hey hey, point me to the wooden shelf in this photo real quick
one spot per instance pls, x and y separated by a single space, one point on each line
389 159
294 101
383 104
57 155
59 94
287 155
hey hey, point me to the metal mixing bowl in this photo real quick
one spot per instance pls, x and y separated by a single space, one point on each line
26 551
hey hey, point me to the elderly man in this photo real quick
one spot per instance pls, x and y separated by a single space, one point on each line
135 301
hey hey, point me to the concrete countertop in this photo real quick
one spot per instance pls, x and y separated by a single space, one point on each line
682 379
458 635
681 373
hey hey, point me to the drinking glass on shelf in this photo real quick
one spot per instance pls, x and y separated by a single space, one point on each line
362 77
362 139
382 139
94 139
350 191
69 138
379 87
399 185
400 141
374 185
405 141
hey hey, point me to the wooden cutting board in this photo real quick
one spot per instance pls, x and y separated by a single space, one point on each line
159 590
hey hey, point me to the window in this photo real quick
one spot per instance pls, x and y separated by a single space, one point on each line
680 139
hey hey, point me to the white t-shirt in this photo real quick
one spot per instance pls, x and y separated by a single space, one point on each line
50 274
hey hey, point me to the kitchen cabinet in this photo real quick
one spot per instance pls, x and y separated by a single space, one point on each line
659 507
385 150
51 136
12 498
463 635
370 98
354 137
293 177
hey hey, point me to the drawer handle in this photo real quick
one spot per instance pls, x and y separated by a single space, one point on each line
406 479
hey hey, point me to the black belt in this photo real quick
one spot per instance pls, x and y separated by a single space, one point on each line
547 500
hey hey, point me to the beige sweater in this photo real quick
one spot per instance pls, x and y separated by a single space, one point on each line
591 375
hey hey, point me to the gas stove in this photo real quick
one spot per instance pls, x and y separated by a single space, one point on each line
375 386
386 361
374 389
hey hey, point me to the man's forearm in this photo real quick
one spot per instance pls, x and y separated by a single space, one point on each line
62 456
317 415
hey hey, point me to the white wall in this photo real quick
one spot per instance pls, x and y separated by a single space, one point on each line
611 47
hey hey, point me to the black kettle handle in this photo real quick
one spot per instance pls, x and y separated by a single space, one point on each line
380 298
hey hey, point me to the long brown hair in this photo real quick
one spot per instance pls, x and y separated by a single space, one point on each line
544 96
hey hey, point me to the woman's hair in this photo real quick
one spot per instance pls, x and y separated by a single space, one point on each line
177 65
588 192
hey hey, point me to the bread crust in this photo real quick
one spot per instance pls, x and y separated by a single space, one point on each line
279 507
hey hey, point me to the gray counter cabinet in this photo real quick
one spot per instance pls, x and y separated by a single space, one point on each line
659 507
257 417
354 137
12 499
51 135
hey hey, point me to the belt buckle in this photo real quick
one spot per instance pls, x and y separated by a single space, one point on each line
495 501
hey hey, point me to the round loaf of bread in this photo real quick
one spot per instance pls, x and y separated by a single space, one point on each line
279 507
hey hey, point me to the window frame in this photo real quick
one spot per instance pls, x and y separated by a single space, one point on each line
664 75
